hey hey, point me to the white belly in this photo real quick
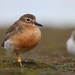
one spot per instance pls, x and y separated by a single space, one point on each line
8 46
71 46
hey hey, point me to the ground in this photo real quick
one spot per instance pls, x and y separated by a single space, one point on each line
50 57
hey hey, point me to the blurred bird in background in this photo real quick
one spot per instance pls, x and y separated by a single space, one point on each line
71 44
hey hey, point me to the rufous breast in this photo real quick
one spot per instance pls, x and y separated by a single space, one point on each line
26 40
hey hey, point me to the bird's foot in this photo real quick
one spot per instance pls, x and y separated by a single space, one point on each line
19 61
22 66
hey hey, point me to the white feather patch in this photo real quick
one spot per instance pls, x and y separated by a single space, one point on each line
7 45
71 46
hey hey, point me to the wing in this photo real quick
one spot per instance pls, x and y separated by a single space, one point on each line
8 33
12 30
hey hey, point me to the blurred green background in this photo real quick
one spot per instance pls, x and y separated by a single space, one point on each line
52 43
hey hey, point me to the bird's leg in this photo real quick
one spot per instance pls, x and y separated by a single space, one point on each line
19 60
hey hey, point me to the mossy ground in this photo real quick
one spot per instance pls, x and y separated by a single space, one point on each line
50 57
38 66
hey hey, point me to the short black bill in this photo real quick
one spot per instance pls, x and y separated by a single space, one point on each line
38 24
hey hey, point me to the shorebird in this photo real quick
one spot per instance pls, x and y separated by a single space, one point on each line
71 44
22 36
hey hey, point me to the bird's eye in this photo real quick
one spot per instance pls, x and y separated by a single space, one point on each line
28 20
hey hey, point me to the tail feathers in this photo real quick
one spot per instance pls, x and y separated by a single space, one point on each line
3 44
